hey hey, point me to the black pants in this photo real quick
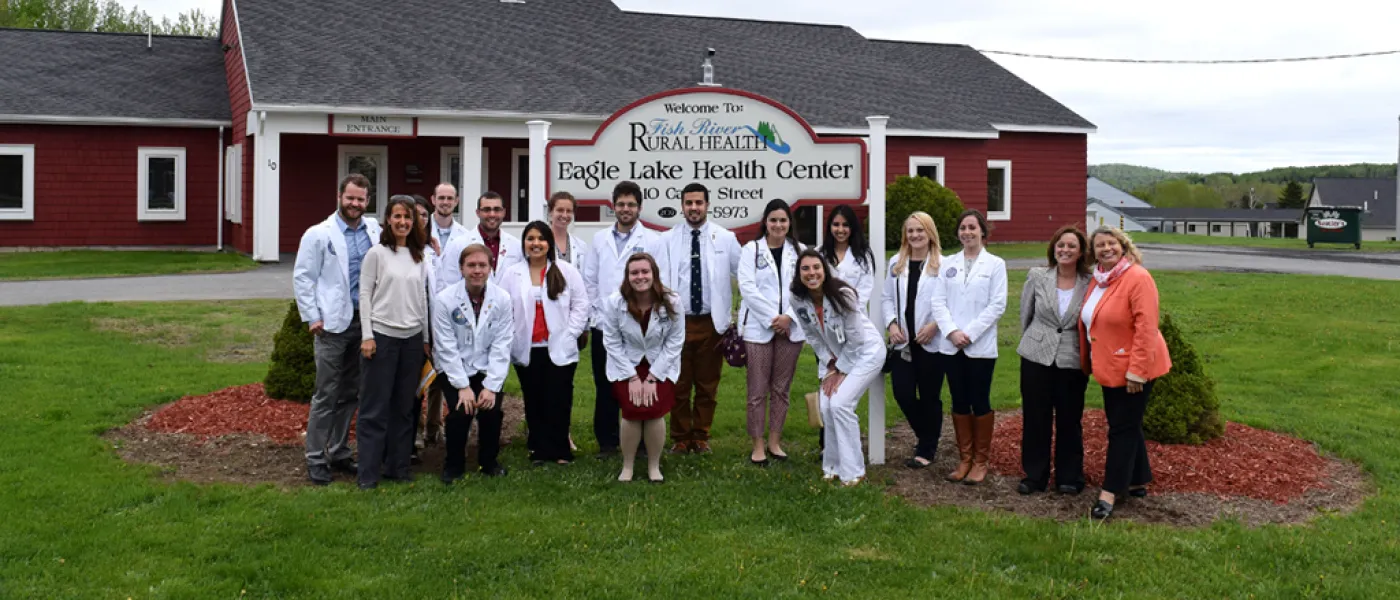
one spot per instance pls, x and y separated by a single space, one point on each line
918 385
969 383
384 428
1052 400
1127 464
549 404
605 410
458 428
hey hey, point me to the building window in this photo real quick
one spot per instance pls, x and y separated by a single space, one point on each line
927 166
373 163
1191 228
160 184
1215 229
16 182
998 190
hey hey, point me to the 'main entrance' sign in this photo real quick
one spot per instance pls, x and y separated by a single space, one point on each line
745 148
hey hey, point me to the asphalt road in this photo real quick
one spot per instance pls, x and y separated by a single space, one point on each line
275 280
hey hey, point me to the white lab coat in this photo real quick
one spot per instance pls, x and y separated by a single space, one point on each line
861 278
721 250
763 293
626 346
578 252
971 302
894 301
449 272
465 344
321 274
566 316
605 270
850 337
458 230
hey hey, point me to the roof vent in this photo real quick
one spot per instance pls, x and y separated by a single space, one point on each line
709 68
512 1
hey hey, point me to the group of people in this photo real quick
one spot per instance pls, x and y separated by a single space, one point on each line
426 308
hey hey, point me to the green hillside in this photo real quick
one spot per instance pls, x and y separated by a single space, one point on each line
1168 189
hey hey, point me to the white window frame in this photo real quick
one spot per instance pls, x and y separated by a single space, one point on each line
381 185
445 172
233 183
929 161
1005 214
25 212
143 166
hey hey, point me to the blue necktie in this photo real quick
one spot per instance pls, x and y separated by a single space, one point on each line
696 293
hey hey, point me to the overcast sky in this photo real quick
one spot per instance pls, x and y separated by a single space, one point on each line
1178 117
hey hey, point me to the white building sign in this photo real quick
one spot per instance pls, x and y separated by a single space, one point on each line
373 126
746 149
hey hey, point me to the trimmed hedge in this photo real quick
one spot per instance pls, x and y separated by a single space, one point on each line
1183 408
908 194
291 375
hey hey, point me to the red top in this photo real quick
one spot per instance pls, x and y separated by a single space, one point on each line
493 243
541 332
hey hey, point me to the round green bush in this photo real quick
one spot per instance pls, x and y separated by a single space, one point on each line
292 372
1183 408
909 194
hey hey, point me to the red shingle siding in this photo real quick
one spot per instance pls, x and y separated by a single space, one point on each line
85 186
240 235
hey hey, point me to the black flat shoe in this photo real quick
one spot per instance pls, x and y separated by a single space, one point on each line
1066 488
319 474
761 463
1101 510
495 472
1026 488
345 465
1138 492
913 463
778 457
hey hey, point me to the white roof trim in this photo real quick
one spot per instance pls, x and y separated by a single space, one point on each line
424 112
943 133
242 56
1044 128
134 121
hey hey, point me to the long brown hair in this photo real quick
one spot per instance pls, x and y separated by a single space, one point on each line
832 287
415 240
660 296
554 278
1085 264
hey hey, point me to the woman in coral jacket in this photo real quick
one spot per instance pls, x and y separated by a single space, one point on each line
1120 345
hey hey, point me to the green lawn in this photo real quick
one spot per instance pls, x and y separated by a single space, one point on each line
67 264
80 522
1225 240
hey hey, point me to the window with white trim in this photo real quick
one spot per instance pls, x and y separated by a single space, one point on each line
233 183
16 182
998 190
160 184
927 166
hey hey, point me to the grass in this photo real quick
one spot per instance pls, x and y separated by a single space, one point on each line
80 522
1255 242
71 264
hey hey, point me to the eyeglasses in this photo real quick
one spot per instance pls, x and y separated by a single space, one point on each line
492 209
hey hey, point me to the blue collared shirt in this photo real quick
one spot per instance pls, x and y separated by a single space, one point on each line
357 243
620 239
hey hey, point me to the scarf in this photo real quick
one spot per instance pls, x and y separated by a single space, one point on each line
1106 278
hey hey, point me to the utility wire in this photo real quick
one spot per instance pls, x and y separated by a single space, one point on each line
1194 62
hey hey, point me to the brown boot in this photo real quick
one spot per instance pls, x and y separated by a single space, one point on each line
981 447
962 429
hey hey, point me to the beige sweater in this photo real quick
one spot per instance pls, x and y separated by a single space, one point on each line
393 294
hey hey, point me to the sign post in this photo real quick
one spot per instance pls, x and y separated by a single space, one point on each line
876 196
747 149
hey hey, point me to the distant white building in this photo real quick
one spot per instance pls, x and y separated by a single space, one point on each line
1105 206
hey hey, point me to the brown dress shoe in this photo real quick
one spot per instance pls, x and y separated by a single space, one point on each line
962 430
680 448
700 447
982 428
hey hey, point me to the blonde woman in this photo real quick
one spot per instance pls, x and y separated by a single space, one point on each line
917 372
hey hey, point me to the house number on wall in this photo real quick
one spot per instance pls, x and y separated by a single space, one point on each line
272 164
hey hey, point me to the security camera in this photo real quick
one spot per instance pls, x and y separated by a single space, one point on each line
709 52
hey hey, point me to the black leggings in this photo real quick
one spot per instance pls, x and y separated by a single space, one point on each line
918 386
970 383
549 403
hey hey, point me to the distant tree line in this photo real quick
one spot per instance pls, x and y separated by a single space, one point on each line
108 15
1287 187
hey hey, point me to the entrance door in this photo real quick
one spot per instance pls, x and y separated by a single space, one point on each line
373 163
520 184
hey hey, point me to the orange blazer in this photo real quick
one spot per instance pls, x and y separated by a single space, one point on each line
1123 335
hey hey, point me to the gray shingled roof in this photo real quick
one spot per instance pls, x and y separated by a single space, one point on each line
589 57
1376 194
85 74
1098 189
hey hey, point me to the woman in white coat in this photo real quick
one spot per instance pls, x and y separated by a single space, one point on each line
766 267
850 353
643 333
845 248
549 306
916 374
967 303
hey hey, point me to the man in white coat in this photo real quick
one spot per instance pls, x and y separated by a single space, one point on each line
505 248
603 274
443 228
472 335
326 283
700 263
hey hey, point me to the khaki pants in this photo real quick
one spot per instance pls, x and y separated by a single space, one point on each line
700 370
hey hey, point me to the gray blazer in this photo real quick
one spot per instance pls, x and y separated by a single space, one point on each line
1047 337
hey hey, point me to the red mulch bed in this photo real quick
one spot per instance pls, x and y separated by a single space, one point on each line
240 409
1245 462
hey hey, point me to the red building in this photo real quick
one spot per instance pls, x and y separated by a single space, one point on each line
448 88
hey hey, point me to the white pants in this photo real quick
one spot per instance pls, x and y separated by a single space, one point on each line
843 456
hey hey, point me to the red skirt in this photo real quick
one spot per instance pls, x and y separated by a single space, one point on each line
665 398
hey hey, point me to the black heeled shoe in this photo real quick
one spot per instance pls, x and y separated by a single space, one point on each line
1101 510
1138 492
1072 490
